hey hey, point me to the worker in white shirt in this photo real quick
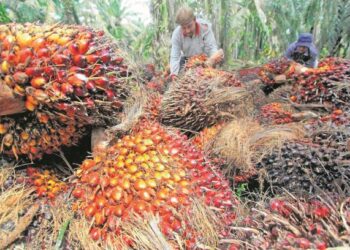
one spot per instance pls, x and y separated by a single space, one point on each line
192 37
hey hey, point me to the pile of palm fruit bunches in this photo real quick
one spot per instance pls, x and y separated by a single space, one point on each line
68 76
176 160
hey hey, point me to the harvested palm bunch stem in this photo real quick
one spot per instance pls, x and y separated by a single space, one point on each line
289 222
69 77
192 103
243 143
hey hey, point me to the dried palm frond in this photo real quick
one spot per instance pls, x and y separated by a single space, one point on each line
15 200
145 232
205 221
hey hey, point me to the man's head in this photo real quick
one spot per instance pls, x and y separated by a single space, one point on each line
186 19
304 42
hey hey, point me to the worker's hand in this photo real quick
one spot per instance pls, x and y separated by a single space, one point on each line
173 77
216 58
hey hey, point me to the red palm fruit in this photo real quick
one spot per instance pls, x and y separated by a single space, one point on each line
43 53
63 40
73 49
338 112
61 106
76 69
49 70
93 58
5 67
98 70
33 71
95 233
77 80
110 94
102 82
38 82
24 55
78 91
4 54
67 88
61 76
80 61
90 211
60 59
140 206
101 202
90 85
8 56
19 90
100 218
117 60
119 210
87 164
38 43
83 46
8 42
117 194
105 57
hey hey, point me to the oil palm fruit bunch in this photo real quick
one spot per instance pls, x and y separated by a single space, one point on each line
195 61
297 223
325 84
149 170
195 101
68 77
152 107
331 133
337 118
275 67
305 168
274 113
198 65
46 182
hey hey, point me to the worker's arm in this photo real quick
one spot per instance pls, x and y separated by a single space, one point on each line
289 51
210 46
175 55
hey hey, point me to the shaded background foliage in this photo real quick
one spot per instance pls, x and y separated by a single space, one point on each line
250 31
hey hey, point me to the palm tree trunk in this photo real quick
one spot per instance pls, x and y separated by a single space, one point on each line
70 15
